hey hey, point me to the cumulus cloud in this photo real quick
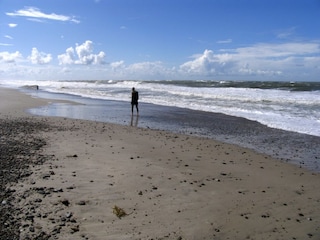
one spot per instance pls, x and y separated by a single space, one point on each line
85 55
68 57
260 59
37 57
201 63
82 54
207 63
10 57
35 13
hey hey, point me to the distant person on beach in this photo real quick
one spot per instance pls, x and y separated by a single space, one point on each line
134 100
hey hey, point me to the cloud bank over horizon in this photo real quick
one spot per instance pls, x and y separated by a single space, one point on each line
270 61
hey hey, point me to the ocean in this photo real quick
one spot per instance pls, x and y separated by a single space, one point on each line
290 106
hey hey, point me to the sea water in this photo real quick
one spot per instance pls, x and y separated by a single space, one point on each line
291 106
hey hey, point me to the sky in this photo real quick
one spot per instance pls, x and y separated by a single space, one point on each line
263 40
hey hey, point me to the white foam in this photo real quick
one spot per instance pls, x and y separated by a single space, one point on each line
293 111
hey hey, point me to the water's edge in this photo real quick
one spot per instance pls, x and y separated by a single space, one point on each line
296 148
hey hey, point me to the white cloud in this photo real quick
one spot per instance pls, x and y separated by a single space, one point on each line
99 58
10 57
38 20
201 64
9 37
147 68
84 55
207 63
5 44
282 34
287 61
117 65
37 57
67 58
140 70
279 50
35 13
257 60
12 25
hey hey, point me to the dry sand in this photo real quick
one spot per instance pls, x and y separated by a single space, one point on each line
170 186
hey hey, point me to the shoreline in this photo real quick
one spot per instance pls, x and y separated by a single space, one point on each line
296 148
172 186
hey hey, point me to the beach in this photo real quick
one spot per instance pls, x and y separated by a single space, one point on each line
97 180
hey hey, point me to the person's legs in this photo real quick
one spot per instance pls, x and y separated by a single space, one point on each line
137 108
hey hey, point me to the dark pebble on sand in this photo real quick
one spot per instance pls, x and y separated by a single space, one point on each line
19 147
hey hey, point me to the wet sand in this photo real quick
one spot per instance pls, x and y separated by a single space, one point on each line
170 185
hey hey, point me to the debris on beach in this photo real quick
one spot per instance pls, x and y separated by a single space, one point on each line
119 212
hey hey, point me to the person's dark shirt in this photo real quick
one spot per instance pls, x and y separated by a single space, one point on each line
135 97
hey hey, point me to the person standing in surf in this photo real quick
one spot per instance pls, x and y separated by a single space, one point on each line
134 100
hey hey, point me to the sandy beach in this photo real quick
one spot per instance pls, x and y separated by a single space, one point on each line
107 181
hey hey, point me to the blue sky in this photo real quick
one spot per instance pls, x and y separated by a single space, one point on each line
160 39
